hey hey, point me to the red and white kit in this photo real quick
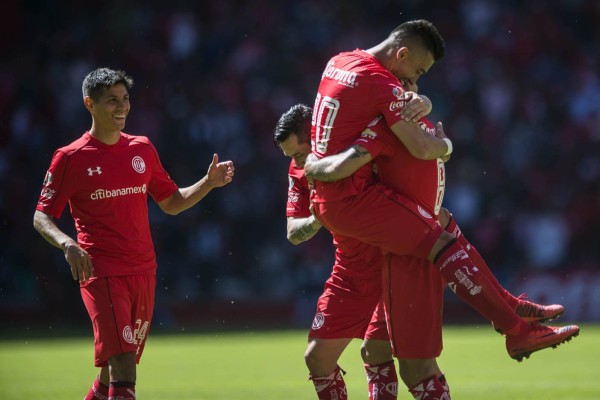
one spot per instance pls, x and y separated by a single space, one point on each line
413 288
354 90
107 187
346 309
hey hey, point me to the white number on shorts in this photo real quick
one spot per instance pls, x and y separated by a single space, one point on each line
140 331
441 185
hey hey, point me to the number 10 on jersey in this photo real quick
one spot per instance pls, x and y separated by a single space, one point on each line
324 114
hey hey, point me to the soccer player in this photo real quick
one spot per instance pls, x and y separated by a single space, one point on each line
348 307
356 87
105 176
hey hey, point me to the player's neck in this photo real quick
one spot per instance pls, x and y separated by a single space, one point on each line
382 53
106 136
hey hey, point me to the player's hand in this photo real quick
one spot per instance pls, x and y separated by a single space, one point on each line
439 130
439 133
219 173
80 262
416 107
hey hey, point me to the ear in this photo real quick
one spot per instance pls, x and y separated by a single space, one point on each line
88 103
401 53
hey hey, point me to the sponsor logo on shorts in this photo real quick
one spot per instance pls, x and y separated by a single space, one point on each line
318 321
423 212
138 164
128 335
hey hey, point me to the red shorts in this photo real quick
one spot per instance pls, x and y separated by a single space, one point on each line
341 314
120 308
413 298
382 218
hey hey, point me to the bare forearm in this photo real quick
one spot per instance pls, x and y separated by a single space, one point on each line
339 166
301 229
45 225
419 143
186 197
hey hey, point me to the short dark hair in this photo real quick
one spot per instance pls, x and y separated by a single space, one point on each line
425 32
296 120
103 78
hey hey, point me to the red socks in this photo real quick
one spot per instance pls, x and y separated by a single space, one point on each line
432 388
480 263
97 392
121 391
331 387
383 381
473 287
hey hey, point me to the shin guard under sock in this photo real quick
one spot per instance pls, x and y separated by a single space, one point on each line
480 262
383 381
121 391
473 287
97 392
331 387
432 388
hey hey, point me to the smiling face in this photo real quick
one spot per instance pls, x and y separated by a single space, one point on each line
109 112
295 149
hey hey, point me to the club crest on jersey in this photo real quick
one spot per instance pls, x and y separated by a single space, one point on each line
138 164
91 171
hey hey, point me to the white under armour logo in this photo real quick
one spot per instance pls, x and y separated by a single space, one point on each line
97 170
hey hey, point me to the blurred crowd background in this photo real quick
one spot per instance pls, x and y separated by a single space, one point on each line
518 92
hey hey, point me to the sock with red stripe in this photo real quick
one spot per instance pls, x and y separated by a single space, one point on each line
432 388
331 387
98 391
383 381
480 262
121 391
473 287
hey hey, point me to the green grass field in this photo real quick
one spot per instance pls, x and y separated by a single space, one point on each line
270 365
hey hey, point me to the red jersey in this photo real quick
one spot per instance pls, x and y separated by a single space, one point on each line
357 267
422 181
298 202
107 188
355 88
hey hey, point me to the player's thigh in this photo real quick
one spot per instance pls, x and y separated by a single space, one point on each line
385 219
413 299
342 314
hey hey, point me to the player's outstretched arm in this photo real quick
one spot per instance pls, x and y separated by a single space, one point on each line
336 167
301 229
219 174
78 259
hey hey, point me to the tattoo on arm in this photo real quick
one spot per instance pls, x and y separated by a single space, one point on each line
302 229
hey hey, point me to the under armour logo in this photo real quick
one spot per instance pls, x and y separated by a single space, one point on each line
91 171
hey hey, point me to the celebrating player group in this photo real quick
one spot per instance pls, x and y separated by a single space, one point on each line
366 164
377 168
